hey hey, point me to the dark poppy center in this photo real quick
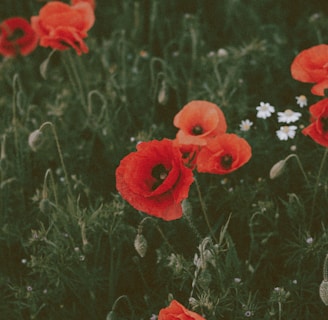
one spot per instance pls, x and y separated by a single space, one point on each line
197 130
17 34
160 173
324 123
226 161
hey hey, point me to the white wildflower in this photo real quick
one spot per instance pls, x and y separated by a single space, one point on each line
288 116
245 125
264 110
301 100
286 132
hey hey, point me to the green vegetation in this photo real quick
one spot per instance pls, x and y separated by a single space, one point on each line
68 240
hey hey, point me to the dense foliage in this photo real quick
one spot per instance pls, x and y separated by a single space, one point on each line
247 246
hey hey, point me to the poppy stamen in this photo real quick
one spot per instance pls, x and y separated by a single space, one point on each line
160 173
15 35
226 161
324 123
197 130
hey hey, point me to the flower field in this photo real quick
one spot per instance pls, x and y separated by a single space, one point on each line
163 159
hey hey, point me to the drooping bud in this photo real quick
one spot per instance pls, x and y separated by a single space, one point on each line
141 245
163 95
323 292
277 169
45 206
36 140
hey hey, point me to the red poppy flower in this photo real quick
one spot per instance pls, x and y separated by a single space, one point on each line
91 2
224 154
189 153
311 65
154 179
198 121
17 37
61 26
176 311
318 129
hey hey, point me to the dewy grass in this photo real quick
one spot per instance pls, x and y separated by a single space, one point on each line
72 248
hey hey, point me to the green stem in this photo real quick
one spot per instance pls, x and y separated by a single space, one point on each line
317 183
300 165
48 123
74 76
204 210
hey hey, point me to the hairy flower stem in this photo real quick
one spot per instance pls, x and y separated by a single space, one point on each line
19 157
70 193
317 184
300 165
204 210
128 301
45 186
74 76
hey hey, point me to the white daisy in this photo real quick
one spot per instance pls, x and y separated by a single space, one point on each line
264 110
245 125
288 116
301 100
286 132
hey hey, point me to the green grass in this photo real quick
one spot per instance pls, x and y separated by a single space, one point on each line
67 237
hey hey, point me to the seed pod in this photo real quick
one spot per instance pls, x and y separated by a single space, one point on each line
323 292
140 244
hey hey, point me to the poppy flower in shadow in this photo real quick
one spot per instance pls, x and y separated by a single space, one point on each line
17 37
91 2
198 121
318 129
224 154
311 65
189 153
177 311
154 179
61 26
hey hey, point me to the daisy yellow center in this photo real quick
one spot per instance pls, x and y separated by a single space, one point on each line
285 129
288 113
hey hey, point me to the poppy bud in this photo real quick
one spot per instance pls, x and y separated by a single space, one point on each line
35 140
163 96
323 291
277 169
140 244
45 205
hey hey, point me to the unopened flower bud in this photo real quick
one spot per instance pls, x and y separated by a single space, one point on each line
45 205
323 292
163 96
140 244
35 140
277 169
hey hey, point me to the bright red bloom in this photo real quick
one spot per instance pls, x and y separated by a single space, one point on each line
198 121
17 37
91 2
61 26
176 311
318 129
154 179
224 154
311 65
